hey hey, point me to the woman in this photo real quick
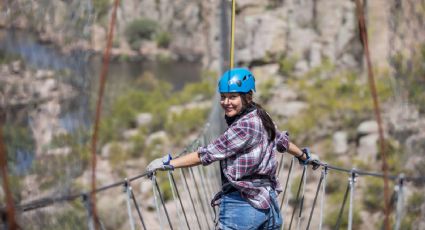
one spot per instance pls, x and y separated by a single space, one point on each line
247 157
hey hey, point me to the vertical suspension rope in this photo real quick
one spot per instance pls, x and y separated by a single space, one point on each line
400 202
315 199
351 207
10 207
232 35
158 209
88 206
180 200
364 39
338 222
175 198
127 189
287 183
204 191
163 203
138 209
322 198
105 67
297 200
204 212
302 200
191 199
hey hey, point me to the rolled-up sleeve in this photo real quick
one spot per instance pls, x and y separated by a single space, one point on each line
282 141
233 141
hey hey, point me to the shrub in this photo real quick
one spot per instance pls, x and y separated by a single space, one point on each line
372 194
100 7
140 29
163 39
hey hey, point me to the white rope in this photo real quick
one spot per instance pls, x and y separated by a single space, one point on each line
322 198
300 216
128 199
352 182
287 196
400 202
179 214
155 195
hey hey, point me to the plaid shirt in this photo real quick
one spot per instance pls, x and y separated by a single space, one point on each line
246 152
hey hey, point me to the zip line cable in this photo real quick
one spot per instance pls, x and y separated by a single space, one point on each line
103 74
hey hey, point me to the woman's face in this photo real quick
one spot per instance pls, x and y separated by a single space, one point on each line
231 103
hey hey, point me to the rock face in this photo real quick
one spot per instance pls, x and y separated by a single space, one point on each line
38 89
310 31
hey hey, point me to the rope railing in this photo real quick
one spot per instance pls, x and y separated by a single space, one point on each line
202 198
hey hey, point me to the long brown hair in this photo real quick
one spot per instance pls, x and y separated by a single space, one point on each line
264 116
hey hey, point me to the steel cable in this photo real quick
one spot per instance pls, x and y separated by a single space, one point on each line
315 199
297 200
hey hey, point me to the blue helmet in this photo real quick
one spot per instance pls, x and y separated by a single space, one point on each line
237 80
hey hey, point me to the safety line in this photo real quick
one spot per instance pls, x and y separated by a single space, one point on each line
338 222
190 196
163 203
376 107
315 199
288 186
232 35
180 200
43 202
138 209
297 197
104 72
10 206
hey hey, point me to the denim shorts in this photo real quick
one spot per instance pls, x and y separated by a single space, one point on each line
237 214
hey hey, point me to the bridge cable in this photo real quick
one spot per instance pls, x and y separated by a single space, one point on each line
322 198
199 197
204 187
302 201
158 209
138 209
338 222
352 181
287 183
162 202
190 196
175 198
400 202
127 190
297 200
315 198
180 200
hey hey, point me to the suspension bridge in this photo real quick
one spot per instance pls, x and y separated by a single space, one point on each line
192 188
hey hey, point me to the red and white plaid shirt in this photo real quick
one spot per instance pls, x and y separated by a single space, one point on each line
246 152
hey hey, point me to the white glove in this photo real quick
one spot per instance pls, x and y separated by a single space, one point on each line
162 164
